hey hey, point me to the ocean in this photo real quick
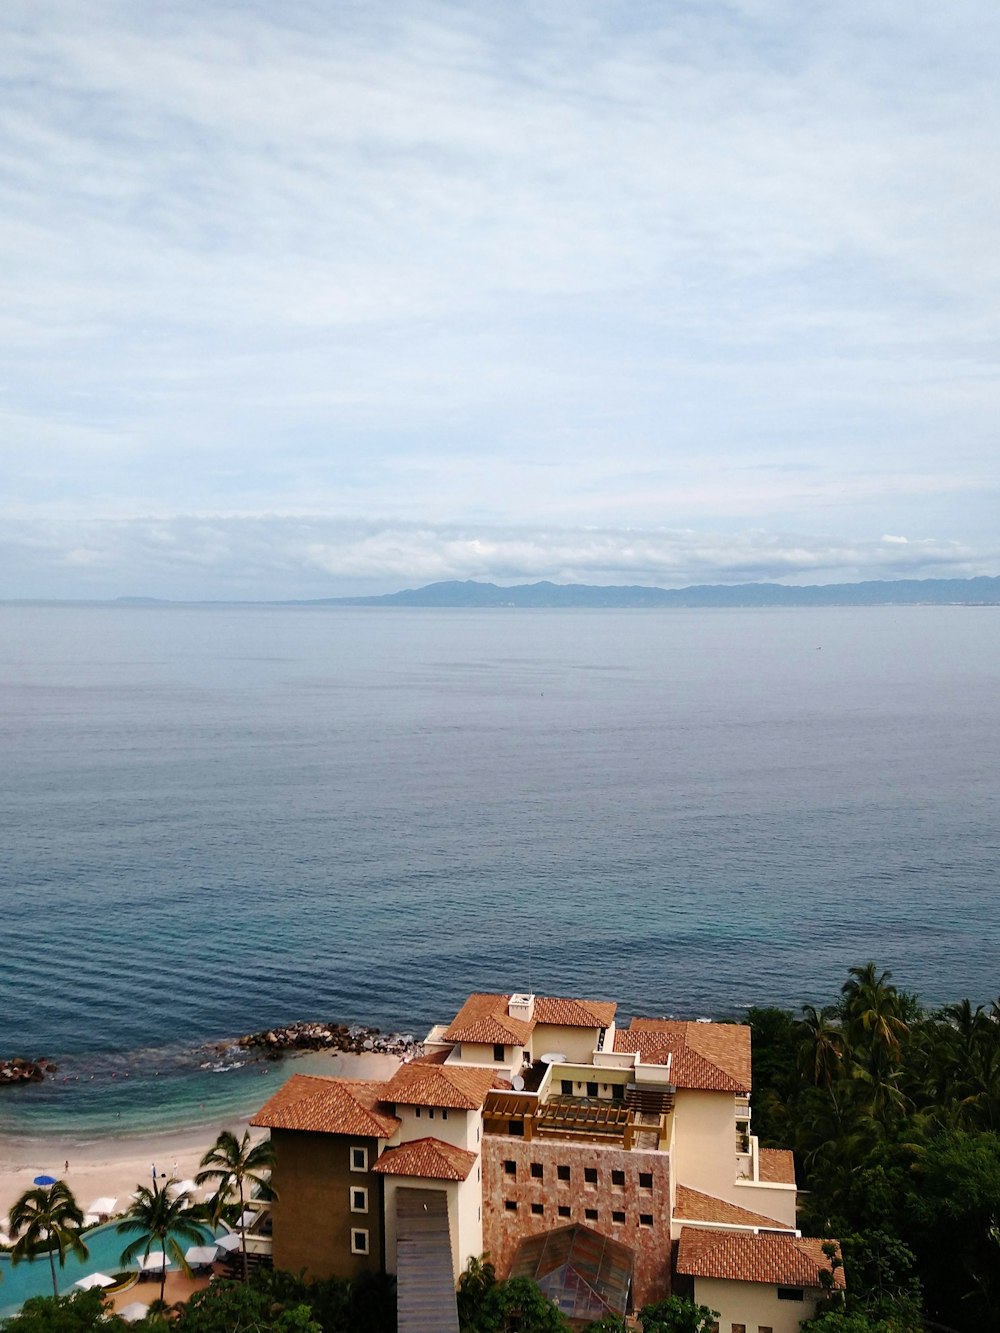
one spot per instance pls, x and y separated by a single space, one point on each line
216 819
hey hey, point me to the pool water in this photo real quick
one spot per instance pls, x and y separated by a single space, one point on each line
33 1277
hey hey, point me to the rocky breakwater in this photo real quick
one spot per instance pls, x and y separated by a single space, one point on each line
275 1042
18 1070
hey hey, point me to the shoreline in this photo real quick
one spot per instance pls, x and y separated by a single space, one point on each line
113 1163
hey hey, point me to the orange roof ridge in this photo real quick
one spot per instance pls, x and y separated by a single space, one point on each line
484 1018
693 1206
710 1056
329 1106
464 1089
566 1013
742 1256
431 1158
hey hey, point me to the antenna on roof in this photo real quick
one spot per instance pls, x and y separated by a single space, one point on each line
529 965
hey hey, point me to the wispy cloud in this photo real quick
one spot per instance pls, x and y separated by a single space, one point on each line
726 266
286 557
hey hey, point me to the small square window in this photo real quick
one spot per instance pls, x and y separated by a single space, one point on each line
590 1175
645 1180
498 1054
618 1178
444 1114
359 1200
645 1219
510 1205
416 1112
591 1089
590 1214
567 1087
562 1172
618 1216
359 1242
510 1168
537 1171
739 1328
765 1328
538 1209
359 1162
563 1210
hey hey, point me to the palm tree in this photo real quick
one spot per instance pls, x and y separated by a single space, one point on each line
49 1216
232 1163
821 1047
160 1219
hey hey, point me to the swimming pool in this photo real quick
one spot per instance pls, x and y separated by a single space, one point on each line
33 1277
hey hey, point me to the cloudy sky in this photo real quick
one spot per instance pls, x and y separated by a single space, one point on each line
335 296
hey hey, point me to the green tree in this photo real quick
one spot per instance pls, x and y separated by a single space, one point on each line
226 1307
47 1217
159 1220
232 1164
83 1312
677 1314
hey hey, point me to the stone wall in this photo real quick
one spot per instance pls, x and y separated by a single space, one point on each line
629 1201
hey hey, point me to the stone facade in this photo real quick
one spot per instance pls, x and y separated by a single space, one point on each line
624 1195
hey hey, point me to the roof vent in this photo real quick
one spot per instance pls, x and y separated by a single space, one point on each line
522 1007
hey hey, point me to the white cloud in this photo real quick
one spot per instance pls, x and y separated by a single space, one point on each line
623 265
272 556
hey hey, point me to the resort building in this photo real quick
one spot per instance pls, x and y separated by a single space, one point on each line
612 1164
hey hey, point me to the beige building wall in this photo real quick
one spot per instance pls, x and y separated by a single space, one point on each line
577 1044
752 1307
479 1053
705 1142
436 1122
464 1221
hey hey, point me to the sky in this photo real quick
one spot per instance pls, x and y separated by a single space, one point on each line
341 296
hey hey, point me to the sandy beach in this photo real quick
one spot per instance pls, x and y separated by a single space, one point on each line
114 1165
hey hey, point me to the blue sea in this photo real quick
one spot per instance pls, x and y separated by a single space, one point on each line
216 819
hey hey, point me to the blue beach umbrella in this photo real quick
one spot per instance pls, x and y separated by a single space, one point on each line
45 1180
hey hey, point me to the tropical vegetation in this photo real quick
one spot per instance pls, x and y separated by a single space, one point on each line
47 1219
893 1111
161 1217
232 1164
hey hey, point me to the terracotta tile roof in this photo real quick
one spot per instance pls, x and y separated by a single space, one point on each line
740 1256
693 1206
714 1057
426 1157
777 1166
574 1013
329 1106
484 1018
415 1084
432 1057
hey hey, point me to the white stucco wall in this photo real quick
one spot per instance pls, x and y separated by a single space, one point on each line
705 1142
577 1044
753 1304
458 1128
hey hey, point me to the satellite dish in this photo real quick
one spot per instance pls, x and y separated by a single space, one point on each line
517 1082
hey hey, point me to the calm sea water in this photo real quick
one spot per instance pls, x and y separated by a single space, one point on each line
218 819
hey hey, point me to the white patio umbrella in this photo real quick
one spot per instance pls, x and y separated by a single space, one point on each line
183 1187
90 1219
230 1242
94 1280
152 1263
134 1311
247 1218
199 1255
104 1205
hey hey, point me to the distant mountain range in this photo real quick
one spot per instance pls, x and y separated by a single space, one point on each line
899 592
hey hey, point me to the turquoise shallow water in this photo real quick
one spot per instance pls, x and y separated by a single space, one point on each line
219 819
34 1278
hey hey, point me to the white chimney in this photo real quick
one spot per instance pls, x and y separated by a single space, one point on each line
522 1007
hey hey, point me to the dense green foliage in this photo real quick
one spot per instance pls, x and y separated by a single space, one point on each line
83 1312
232 1165
894 1115
677 1315
163 1223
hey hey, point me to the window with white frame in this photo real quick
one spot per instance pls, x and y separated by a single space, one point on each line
359 1241
359 1160
359 1199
